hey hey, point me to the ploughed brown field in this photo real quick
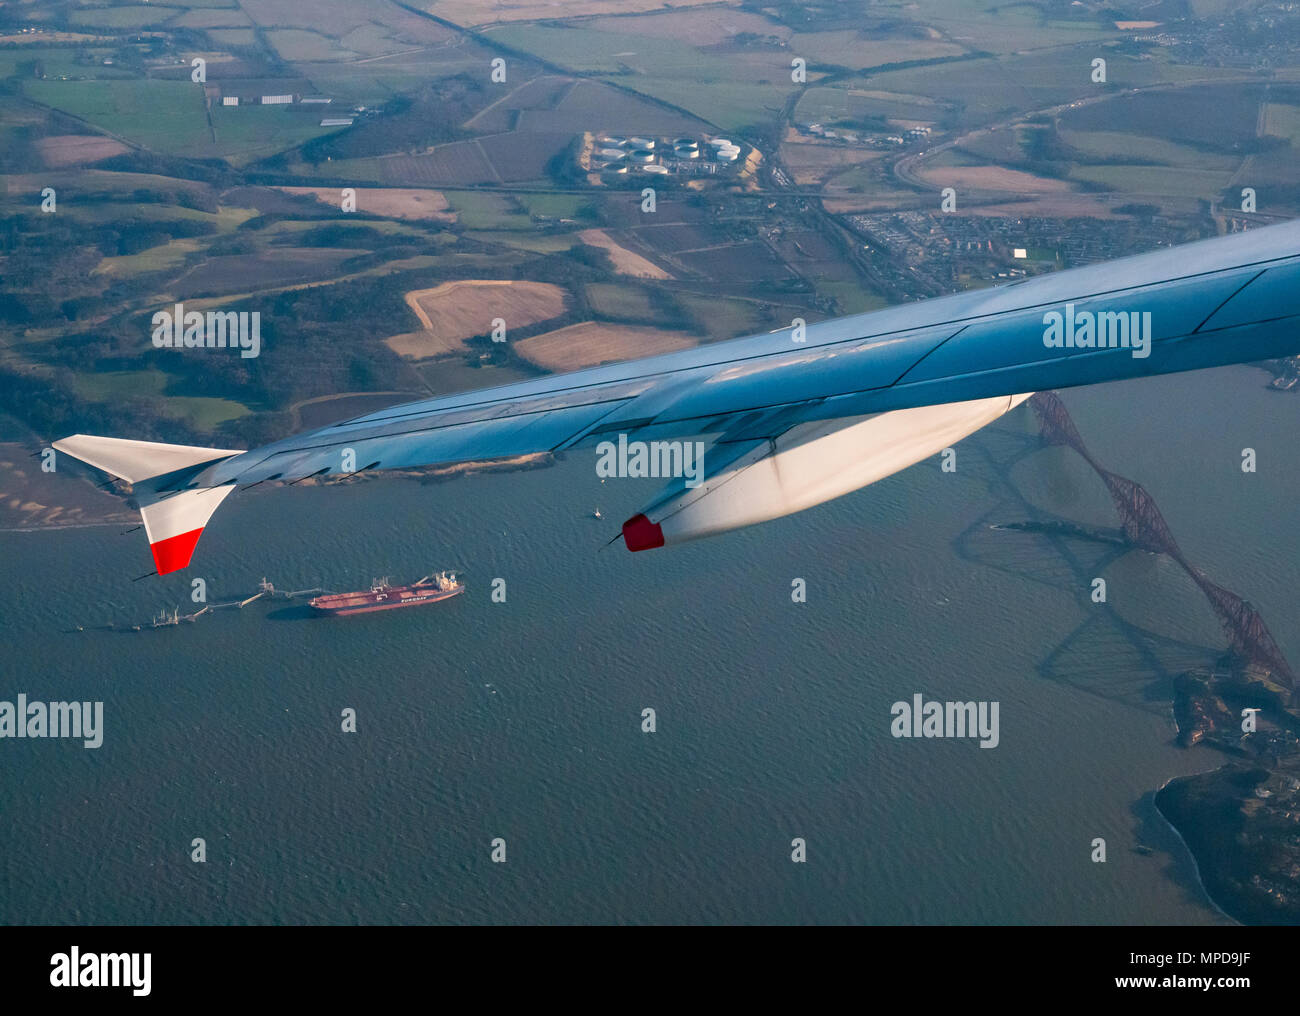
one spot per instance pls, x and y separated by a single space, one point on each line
455 311
475 12
591 343
993 178
396 202
626 262
77 149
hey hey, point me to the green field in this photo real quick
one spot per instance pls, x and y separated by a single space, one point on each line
730 105
155 259
725 318
619 302
166 115
120 384
225 218
124 17
204 413
199 411
287 228
1283 121
170 117
1157 180
538 243
862 51
852 297
1119 145
57 61
299 44
477 210
585 49
233 36
247 133
836 105
557 206
1003 28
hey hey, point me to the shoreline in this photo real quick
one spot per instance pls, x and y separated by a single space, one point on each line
1191 854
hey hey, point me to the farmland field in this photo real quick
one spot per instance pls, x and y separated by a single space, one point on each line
737 263
812 164
125 17
625 262
729 105
1157 180
1283 120
486 12
523 155
350 20
609 300
455 311
477 210
727 317
591 343
992 178
832 106
77 149
156 259
166 115
460 162
852 298
396 202
704 26
1121 146
237 273
213 18
1213 117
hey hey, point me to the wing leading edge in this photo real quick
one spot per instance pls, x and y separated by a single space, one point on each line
1226 300
1215 302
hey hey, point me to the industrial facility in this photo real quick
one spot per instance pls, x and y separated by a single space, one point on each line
618 155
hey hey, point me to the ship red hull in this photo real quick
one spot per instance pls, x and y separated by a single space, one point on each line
346 604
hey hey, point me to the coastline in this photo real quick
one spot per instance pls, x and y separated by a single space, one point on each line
1187 847
1221 818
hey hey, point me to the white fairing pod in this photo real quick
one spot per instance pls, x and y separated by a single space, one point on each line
808 464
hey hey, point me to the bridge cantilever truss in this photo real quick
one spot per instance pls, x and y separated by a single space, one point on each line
1145 528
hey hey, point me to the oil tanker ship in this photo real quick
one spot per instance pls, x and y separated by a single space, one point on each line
382 596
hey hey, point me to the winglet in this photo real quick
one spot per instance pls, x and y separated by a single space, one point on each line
175 524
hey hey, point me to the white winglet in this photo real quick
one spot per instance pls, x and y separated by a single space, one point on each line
175 524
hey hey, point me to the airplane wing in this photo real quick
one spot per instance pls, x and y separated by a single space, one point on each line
792 409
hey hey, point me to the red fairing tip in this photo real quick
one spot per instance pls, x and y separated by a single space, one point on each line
639 533
174 553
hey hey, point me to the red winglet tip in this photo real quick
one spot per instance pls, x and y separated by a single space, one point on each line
174 553
639 533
